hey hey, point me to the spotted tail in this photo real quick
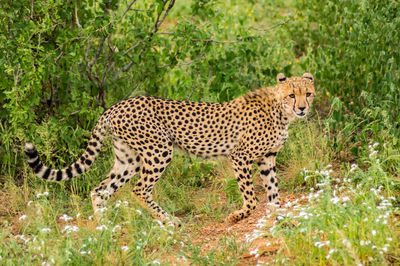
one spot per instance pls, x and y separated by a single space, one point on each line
75 169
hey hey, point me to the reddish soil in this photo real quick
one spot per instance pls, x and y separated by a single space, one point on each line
267 246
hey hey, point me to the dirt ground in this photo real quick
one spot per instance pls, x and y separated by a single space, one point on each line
261 248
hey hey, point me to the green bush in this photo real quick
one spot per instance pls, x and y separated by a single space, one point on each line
62 63
352 47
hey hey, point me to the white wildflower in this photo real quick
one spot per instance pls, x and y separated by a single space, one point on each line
68 229
22 217
139 211
65 217
125 248
101 227
44 194
29 203
45 230
373 232
116 227
335 200
344 199
156 262
255 253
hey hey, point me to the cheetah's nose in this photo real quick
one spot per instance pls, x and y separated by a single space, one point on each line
302 108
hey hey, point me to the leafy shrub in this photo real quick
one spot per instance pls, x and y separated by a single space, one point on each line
352 49
62 63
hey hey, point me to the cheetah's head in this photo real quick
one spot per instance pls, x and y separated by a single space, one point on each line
297 93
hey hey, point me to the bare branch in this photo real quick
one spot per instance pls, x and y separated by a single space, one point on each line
96 56
171 4
148 40
138 10
127 9
272 27
60 55
134 46
73 113
76 16
166 32
216 41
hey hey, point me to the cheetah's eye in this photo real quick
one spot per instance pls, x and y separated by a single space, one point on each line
308 94
291 95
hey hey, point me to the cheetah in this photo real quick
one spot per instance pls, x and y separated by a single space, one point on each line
249 129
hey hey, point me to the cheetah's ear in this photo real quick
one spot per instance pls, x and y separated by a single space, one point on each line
280 77
308 76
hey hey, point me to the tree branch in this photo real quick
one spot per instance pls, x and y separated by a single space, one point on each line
76 16
127 9
272 27
147 41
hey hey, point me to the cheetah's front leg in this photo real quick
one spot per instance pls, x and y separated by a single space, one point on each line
268 176
242 169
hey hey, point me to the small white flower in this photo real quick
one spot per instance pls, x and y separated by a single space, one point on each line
45 230
255 253
78 214
126 203
362 243
101 227
139 211
373 232
335 200
125 248
22 217
156 262
68 229
29 203
65 217
389 239
45 194
116 227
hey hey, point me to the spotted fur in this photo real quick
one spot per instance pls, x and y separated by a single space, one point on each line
251 128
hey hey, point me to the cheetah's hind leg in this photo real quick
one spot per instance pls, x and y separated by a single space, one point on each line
153 165
126 165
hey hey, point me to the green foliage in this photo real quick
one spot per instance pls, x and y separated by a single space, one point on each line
348 219
352 49
62 63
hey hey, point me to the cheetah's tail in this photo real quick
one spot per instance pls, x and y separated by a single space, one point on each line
75 169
